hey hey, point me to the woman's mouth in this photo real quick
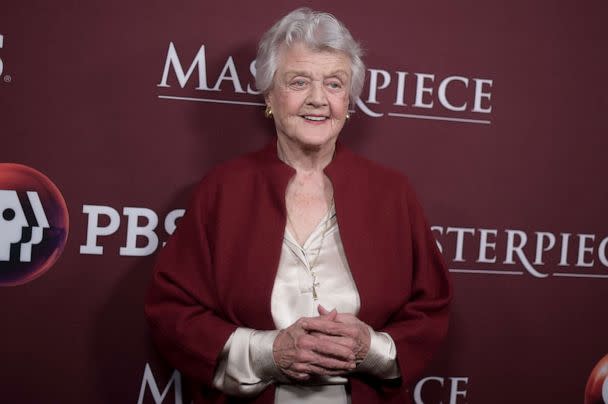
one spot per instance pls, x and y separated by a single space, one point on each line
314 118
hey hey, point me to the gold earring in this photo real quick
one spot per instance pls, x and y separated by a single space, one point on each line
347 116
268 112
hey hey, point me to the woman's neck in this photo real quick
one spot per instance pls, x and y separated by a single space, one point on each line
305 160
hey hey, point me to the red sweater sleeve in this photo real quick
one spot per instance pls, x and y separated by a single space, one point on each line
182 306
421 325
418 324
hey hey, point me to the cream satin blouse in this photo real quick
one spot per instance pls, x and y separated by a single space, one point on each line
246 364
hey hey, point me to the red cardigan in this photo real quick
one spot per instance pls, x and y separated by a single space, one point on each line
217 271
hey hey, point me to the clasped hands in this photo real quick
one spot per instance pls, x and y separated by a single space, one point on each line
329 345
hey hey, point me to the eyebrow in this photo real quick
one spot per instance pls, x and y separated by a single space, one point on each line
337 73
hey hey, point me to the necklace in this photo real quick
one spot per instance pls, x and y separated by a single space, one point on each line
311 265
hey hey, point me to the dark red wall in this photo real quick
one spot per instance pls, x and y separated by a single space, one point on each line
80 102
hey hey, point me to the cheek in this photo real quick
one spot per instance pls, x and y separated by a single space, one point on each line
340 104
291 103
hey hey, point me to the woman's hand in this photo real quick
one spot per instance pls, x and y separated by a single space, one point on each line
300 354
347 330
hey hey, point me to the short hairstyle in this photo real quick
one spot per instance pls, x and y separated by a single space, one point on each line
317 30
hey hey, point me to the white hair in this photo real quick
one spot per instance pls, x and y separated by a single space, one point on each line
317 30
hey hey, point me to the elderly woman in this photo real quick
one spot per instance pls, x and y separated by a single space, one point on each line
302 272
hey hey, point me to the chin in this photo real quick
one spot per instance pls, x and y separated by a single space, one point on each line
310 147
313 143
317 138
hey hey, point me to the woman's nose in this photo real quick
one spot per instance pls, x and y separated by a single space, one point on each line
317 96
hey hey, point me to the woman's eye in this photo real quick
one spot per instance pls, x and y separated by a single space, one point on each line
335 85
298 83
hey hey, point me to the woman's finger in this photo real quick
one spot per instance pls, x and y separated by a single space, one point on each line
305 358
323 311
326 347
347 342
317 370
301 376
325 326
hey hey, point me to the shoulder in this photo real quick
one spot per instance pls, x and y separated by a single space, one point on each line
375 175
235 170
229 178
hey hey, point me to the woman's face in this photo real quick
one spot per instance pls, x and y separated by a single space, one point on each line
309 96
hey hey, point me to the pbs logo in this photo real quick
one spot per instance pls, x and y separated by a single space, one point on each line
33 224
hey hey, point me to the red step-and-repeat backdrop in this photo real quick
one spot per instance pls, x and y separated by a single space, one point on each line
111 111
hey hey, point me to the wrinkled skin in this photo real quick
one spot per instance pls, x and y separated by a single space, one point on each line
329 345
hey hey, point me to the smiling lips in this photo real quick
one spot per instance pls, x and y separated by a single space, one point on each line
315 118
